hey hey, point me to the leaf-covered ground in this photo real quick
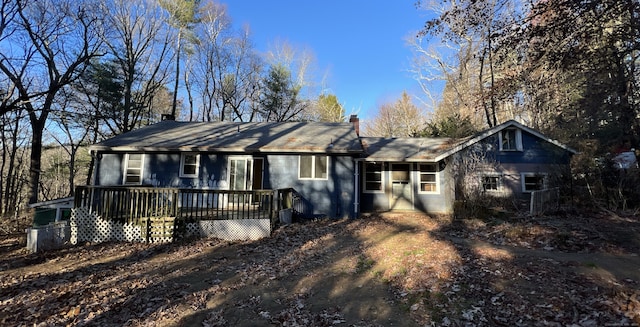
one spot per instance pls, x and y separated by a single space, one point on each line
402 269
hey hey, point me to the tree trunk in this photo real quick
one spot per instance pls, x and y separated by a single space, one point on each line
491 73
189 95
481 86
175 86
94 140
72 168
37 126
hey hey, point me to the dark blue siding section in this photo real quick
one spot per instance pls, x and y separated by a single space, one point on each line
372 202
162 169
333 197
535 151
110 168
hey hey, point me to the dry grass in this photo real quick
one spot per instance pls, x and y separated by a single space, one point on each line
389 269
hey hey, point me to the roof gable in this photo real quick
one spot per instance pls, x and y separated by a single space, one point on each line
487 133
436 149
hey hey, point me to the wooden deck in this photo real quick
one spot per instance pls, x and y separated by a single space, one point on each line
133 204
233 212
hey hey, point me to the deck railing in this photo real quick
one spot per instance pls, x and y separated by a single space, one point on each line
134 204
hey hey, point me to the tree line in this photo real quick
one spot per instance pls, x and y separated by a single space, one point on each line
569 68
73 73
566 67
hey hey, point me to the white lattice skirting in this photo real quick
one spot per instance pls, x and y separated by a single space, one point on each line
89 227
231 230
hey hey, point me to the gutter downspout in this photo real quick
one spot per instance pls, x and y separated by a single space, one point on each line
356 203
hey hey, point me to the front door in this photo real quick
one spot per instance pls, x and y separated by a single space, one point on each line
401 190
258 167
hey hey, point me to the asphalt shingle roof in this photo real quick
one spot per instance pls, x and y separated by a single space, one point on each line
405 149
293 137
237 137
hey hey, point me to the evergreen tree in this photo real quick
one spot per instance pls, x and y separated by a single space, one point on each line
279 100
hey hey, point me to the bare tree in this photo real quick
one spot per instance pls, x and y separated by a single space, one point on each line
326 108
8 98
300 62
399 119
241 84
70 132
12 162
453 69
478 32
228 69
138 44
183 15
51 41
213 56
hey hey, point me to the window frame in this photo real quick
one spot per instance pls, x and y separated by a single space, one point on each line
498 183
435 173
366 172
314 157
249 163
126 167
183 157
517 139
523 177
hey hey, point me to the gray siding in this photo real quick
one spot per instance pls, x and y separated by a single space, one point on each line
510 166
440 202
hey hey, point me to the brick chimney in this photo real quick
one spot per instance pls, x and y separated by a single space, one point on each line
356 123
164 117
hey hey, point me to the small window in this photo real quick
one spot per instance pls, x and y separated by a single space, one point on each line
313 167
533 182
373 177
133 168
490 183
428 178
189 165
510 140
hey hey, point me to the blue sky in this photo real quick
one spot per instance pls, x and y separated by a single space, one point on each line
359 45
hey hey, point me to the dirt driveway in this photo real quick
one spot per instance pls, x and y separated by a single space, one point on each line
384 270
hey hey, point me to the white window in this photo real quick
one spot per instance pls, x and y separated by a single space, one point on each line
189 165
428 177
510 139
133 164
491 183
373 177
313 167
532 182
